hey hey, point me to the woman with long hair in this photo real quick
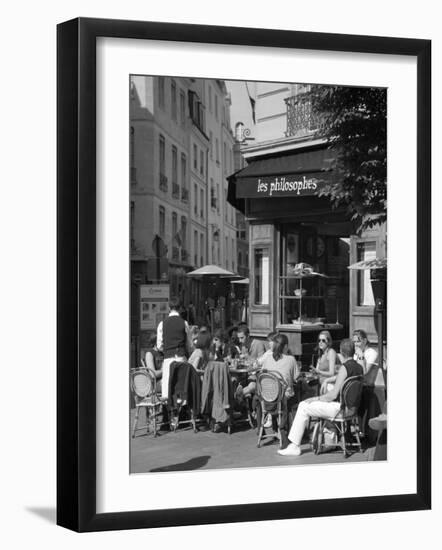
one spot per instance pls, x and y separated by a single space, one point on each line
327 357
279 361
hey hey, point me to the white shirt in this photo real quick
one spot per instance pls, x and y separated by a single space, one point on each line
369 357
160 331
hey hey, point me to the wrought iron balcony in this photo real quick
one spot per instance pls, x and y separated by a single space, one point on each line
175 190
301 119
163 182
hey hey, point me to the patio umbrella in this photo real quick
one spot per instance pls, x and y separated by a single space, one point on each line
374 263
241 282
211 271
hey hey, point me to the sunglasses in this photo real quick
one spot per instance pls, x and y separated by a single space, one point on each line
322 340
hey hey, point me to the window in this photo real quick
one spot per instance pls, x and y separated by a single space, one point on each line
211 144
202 248
202 203
226 206
239 258
365 251
232 255
262 276
174 224
195 156
224 157
195 196
161 93
217 197
182 107
133 175
183 231
132 223
173 101
183 171
175 187
163 179
217 150
216 107
212 194
210 98
226 253
202 162
162 222
195 247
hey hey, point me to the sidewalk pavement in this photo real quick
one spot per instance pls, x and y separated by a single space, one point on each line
186 450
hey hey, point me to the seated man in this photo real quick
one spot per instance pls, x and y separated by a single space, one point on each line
249 346
324 406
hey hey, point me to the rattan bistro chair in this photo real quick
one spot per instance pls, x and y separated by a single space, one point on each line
345 421
270 389
143 386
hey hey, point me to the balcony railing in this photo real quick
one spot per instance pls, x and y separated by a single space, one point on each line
301 119
163 182
184 194
175 190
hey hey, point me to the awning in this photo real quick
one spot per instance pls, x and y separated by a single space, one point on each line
297 174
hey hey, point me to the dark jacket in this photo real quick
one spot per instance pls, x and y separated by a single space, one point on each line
184 385
217 393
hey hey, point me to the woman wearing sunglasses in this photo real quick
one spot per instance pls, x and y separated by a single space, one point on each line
327 358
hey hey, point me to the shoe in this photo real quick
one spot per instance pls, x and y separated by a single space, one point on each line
290 450
268 421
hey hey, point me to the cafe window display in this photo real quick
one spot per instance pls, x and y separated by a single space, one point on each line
313 279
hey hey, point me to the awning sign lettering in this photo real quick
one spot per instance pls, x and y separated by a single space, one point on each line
280 186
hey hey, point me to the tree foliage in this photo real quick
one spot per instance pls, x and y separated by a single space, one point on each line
354 120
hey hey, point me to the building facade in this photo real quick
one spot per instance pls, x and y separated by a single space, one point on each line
181 152
289 225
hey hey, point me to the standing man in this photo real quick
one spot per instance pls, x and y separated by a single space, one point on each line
173 339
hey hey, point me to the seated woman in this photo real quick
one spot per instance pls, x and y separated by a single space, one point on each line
328 360
249 390
153 359
221 349
324 406
200 355
279 361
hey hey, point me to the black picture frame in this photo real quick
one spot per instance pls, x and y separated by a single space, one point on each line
76 273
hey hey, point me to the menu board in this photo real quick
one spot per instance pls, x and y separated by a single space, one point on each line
154 305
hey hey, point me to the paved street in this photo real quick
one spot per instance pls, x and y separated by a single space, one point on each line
185 450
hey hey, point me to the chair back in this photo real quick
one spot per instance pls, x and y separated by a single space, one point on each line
350 394
270 387
143 383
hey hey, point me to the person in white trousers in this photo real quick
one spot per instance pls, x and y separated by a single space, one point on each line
324 406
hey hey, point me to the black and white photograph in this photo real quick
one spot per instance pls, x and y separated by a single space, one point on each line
258 274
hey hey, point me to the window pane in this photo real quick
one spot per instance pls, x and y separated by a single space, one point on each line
365 251
261 261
